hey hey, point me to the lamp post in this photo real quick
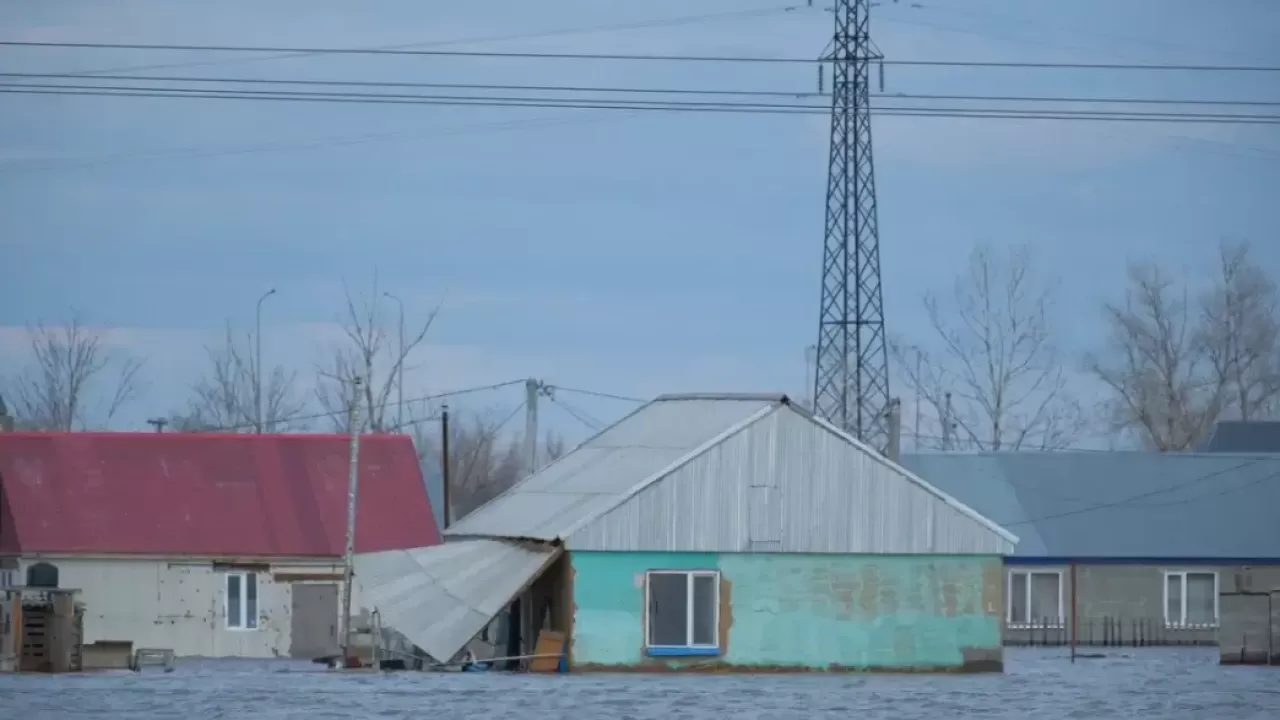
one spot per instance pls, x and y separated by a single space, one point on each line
399 367
257 361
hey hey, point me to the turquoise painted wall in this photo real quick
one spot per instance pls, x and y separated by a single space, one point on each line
815 611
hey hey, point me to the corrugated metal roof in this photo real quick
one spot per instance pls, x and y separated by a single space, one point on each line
440 597
787 483
610 467
207 494
1120 504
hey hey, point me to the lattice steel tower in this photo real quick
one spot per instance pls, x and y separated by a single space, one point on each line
851 371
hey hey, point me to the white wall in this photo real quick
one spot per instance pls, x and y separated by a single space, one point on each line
179 604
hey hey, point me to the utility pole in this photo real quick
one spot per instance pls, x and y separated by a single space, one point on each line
531 389
851 379
810 363
894 448
399 367
919 367
946 423
353 484
158 424
257 362
444 467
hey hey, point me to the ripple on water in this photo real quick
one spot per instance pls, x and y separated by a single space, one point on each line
1042 684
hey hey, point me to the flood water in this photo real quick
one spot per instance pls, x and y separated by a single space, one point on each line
1039 684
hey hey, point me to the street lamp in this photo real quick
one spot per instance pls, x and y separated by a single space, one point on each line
399 367
257 361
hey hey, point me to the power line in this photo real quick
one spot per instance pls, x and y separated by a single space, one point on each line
636 90
582 417
593 393
627 105
591 29
629 58
299 417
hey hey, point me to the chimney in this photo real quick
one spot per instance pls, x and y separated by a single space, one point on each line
6 420
894 450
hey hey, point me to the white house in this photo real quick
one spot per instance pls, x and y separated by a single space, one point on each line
209 545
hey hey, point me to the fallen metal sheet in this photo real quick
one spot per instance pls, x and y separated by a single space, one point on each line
440 597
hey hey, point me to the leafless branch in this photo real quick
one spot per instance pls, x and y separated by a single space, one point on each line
1158 370
58 390
370 353
1239 330
993 353
226 397
484 460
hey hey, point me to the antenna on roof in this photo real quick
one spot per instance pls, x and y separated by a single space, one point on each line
158 424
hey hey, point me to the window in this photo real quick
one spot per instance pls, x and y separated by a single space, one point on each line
684 612
1191 599
1035 598
242 601
8 579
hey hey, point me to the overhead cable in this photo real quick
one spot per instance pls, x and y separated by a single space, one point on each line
635 90
628 105
299 417
628 58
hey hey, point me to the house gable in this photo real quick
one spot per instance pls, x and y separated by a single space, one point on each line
611 467
789 482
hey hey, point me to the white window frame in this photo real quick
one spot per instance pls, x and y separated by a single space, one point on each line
245 616
1181 622
689 647
8 578
1034 623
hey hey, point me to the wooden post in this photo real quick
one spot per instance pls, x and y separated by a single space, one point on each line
444 467
61 632
10 632
1075 611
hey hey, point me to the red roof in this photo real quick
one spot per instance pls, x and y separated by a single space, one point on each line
188 494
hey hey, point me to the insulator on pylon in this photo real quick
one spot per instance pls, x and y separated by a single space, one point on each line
820 91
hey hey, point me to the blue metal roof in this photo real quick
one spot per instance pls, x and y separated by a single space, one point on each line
1120 504
1238 436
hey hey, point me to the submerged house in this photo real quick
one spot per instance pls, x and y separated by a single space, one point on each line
713 532
1132 548
212 545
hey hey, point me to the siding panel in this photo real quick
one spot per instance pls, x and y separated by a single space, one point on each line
178 605
825 495
802 612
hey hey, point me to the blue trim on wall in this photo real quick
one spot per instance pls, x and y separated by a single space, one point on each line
681 651
1047 560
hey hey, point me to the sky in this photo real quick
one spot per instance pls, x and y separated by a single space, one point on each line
626 253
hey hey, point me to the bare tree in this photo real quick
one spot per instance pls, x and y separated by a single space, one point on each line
225 398
75 380
1240 331
1162 381
484 461
993 373
371 353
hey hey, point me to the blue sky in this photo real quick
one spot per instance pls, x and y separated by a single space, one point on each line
628 253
